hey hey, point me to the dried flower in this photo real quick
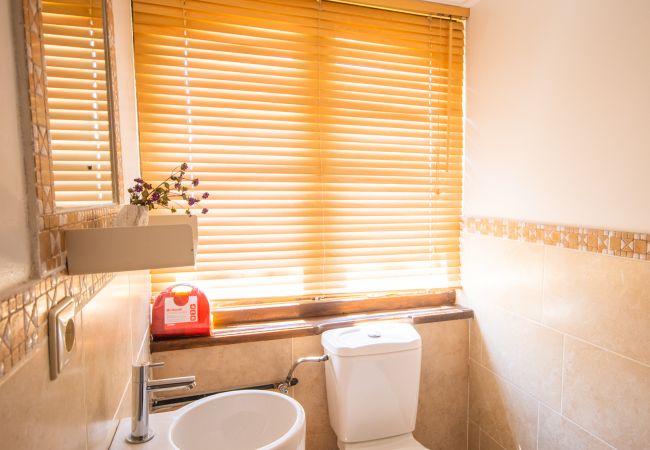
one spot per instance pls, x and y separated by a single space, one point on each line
164 194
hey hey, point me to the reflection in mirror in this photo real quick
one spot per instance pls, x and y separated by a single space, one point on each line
77 99
15 233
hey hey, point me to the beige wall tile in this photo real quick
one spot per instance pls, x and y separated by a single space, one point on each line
487 443
601 299
475 340
312 394
442 409
140 295
228 366
557 433
607 394
474 436
502 410
503 272
107 356
79 409
37 413
525 353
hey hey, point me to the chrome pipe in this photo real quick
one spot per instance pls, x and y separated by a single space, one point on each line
284 387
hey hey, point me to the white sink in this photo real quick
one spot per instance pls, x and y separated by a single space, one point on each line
240 420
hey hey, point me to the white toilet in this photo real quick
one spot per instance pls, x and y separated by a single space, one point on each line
373 379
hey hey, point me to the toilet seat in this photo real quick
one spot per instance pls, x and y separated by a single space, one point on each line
401 442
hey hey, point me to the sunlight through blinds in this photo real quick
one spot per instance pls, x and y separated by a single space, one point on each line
73 44
328 135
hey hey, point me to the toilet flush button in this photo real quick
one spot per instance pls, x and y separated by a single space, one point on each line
374 334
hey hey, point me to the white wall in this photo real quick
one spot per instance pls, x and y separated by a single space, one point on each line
15 256
558 112
126 92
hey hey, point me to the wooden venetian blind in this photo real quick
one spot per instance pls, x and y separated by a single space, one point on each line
329 136
73 41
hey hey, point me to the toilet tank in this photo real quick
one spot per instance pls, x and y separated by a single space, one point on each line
373 380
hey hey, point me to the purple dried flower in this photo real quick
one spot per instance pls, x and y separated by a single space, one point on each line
155 196
184 166
138 188
191 201
138 180
195 182
178 186
205 195
204 211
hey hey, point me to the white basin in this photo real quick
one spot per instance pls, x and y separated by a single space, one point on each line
240 420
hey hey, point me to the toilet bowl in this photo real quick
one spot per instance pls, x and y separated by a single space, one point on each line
373 379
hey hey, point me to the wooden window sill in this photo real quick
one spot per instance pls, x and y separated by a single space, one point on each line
308 326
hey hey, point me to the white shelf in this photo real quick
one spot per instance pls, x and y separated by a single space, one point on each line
168 241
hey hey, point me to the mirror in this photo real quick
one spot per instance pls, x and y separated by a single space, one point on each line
16 235
80 116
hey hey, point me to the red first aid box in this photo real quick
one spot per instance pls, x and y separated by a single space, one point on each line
181 310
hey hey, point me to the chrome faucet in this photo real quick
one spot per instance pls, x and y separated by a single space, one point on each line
143 386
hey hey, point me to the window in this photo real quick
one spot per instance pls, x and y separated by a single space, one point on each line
73 43
329 136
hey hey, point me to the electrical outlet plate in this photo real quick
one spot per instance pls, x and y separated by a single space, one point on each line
62 335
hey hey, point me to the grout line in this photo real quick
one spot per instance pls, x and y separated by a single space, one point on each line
469 343
26 358
540 404
544 258
515 386
123 398
82 357
490 436
542 325
584 341
562 374
539 408
587 431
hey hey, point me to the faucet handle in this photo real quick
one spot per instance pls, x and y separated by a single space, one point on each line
142 372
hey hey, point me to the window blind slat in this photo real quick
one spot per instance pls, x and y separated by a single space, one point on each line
329 135
77 102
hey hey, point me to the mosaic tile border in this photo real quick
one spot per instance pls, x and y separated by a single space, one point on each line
23 312
23 317
607 242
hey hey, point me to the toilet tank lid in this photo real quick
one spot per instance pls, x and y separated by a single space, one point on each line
371 338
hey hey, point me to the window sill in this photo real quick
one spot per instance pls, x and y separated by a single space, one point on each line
262 331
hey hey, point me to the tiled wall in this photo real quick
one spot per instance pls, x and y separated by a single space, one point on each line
442 412
559 356
23 309
80 409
